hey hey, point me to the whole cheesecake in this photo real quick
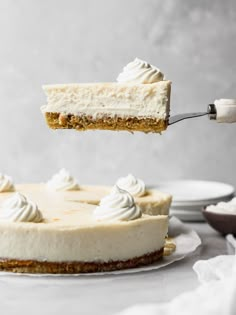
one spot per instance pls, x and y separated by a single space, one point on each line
139 101
59 236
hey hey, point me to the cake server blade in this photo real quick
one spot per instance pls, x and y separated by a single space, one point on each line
221 112
179 117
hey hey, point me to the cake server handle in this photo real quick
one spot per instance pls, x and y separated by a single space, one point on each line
223 111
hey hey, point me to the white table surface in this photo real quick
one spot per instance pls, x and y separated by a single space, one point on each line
106 294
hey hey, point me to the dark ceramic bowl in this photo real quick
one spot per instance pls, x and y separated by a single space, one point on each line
223 223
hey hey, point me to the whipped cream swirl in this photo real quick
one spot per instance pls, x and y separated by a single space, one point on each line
20 209
134 186
224 207
62 181
117 206
139 71
6 183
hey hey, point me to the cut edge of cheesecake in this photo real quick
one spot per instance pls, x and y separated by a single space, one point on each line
108 106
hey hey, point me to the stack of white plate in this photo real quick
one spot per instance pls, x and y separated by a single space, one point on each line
190 196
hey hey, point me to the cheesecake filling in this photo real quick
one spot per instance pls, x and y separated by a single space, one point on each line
141 91
133 185
97 242
6 183
62 181
18 208
114 99
118 205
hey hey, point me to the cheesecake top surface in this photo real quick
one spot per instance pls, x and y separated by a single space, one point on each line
58 211
103 86
90 194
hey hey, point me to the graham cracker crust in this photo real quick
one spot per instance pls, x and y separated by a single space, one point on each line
105 122
32 266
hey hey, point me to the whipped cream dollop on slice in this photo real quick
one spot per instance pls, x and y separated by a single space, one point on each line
134 186
62 181
225 110
6 183
224 207
18 208
119 205
139 71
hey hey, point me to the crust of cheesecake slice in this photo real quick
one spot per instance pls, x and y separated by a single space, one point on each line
105 122
33 266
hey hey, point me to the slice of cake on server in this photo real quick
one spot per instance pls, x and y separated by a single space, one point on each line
138 101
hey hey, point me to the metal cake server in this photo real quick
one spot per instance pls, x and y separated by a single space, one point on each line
213 112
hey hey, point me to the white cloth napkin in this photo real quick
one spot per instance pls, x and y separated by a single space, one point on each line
216 294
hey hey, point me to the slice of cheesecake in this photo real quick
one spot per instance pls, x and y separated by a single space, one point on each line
139 101
108 106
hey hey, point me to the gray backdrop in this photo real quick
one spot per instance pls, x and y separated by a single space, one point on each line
49 41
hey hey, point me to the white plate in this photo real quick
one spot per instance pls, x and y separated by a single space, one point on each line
187 208
186 240
192 191
196 206
188 216
201 203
